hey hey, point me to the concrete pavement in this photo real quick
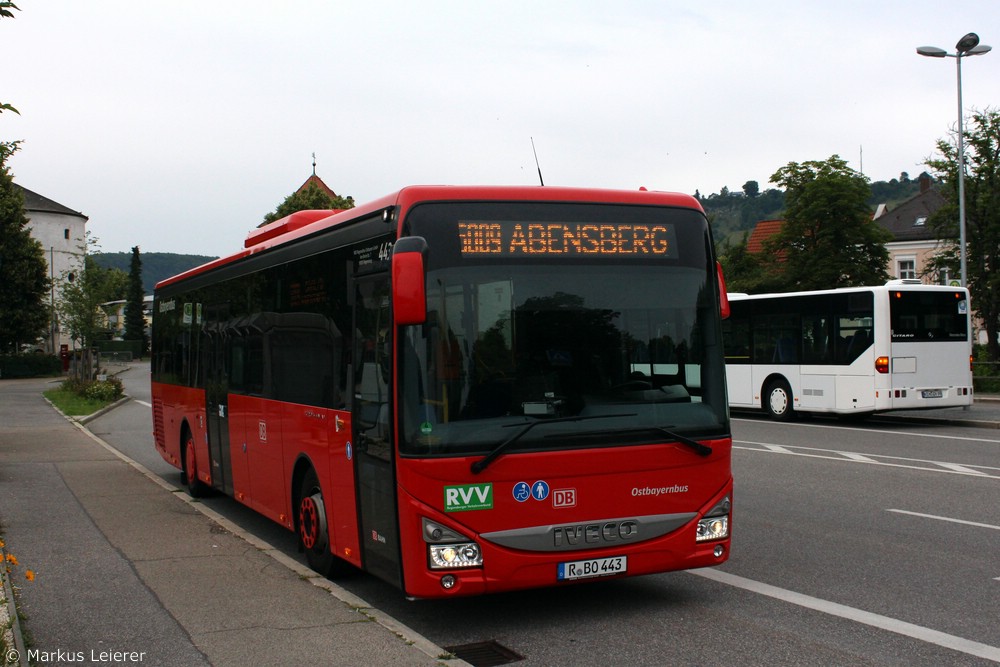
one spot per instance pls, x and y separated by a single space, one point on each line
128 570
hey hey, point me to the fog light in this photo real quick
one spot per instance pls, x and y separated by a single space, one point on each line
447 581
719 550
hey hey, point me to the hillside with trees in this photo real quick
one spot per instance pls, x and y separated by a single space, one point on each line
734 214
156 266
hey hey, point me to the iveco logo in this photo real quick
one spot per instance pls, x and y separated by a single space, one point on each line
593 533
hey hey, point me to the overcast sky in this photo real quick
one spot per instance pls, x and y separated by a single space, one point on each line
177 126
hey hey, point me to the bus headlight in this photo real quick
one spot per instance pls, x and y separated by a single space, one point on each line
715 524
447 549
450 556
713 528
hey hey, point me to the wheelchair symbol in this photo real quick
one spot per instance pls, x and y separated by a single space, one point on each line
522 492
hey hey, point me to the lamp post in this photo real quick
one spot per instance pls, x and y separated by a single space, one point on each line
967 46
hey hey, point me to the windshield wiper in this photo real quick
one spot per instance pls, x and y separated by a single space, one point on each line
700 449
481 464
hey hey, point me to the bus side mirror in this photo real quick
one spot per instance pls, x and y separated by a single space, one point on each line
409 291
723 294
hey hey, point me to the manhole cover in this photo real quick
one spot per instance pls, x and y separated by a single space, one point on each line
485 654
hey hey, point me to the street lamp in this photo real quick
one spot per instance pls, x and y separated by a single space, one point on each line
967 46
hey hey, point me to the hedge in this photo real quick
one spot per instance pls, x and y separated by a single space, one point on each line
29 365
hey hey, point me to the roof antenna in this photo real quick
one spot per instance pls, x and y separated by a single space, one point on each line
536 162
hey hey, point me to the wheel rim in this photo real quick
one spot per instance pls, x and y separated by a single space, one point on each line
312 522
778 401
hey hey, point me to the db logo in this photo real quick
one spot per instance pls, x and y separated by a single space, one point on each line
564 497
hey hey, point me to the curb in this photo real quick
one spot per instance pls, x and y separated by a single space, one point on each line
15 652
86 419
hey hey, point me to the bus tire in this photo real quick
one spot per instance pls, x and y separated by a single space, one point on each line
778 400
189 474
313 531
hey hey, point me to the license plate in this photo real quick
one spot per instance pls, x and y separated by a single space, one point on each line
594 567
931 393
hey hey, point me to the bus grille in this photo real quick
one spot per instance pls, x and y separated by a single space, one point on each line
158 423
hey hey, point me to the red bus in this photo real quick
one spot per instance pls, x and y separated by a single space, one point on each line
462 390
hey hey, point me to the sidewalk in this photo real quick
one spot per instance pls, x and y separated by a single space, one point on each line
130 571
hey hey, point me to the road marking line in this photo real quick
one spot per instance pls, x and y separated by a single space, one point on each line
962 469
909 434
858 457
872 459
945 518
857 615
142 403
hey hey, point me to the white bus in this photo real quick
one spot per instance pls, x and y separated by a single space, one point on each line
850 351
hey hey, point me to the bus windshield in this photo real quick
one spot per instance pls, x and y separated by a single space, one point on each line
608 329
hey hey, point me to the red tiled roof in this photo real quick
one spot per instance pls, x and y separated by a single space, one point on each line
764 230
319 183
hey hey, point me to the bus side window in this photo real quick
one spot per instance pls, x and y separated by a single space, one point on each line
857 344
785 352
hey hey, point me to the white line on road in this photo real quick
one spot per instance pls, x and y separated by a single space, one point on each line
945 518
960 468
143 403
861 458
857 615
909 434
870 459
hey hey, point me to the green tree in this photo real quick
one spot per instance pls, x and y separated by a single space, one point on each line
829 238
135 320
982 216
81 298
745 271
5 13
24 283
312 197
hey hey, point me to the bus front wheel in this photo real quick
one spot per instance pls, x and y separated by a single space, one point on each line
314 538
314 533
778 400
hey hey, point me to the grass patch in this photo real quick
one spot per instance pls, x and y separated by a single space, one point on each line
73 404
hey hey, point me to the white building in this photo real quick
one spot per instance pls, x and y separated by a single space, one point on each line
63 234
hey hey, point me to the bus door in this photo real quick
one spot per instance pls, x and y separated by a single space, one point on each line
371 419
215 347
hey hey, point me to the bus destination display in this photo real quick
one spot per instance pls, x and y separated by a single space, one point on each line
585 239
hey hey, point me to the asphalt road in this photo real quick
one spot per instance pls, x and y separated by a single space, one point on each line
854 544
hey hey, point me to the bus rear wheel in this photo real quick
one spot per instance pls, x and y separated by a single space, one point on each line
195 487
778 400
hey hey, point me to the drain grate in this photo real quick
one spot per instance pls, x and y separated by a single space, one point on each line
485 654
